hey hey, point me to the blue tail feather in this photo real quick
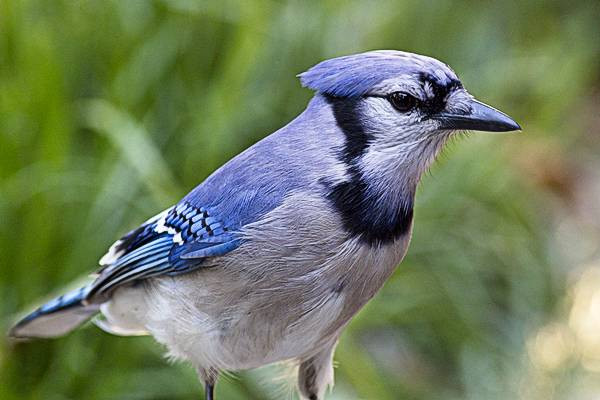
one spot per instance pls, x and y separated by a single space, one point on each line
56 317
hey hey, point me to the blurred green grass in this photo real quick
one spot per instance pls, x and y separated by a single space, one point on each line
111 110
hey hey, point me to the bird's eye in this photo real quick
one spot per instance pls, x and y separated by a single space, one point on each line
402 102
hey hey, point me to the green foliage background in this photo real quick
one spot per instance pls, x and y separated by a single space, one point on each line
112 110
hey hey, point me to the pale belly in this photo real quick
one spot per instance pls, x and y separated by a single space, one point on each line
220 319
253 333
286 292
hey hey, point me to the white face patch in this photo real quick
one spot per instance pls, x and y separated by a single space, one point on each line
428 88
402 144
413 135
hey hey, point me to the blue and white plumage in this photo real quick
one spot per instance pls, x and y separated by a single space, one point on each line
270 257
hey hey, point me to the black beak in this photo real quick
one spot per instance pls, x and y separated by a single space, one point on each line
481 118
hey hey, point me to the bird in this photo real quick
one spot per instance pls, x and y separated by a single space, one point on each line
269 258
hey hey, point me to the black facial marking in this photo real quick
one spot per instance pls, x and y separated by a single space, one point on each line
308 379
441 90
364 215
346 112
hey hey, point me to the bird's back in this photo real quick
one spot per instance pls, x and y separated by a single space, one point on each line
257 180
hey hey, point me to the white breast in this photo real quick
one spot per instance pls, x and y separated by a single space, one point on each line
291 287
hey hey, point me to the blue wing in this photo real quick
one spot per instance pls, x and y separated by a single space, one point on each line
176 241
205 222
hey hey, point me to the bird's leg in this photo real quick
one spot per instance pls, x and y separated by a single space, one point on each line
209 391
316 374
209 377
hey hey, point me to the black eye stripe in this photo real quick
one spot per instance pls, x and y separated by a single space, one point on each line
441 91
429 106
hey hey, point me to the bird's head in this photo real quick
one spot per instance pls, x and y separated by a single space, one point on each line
400 106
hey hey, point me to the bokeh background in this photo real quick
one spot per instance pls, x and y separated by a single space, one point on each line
112 110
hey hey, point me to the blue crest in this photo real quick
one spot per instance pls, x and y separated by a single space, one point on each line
354 75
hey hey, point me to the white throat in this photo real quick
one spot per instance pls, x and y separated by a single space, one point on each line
396 168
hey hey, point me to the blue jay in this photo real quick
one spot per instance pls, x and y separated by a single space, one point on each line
272 255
